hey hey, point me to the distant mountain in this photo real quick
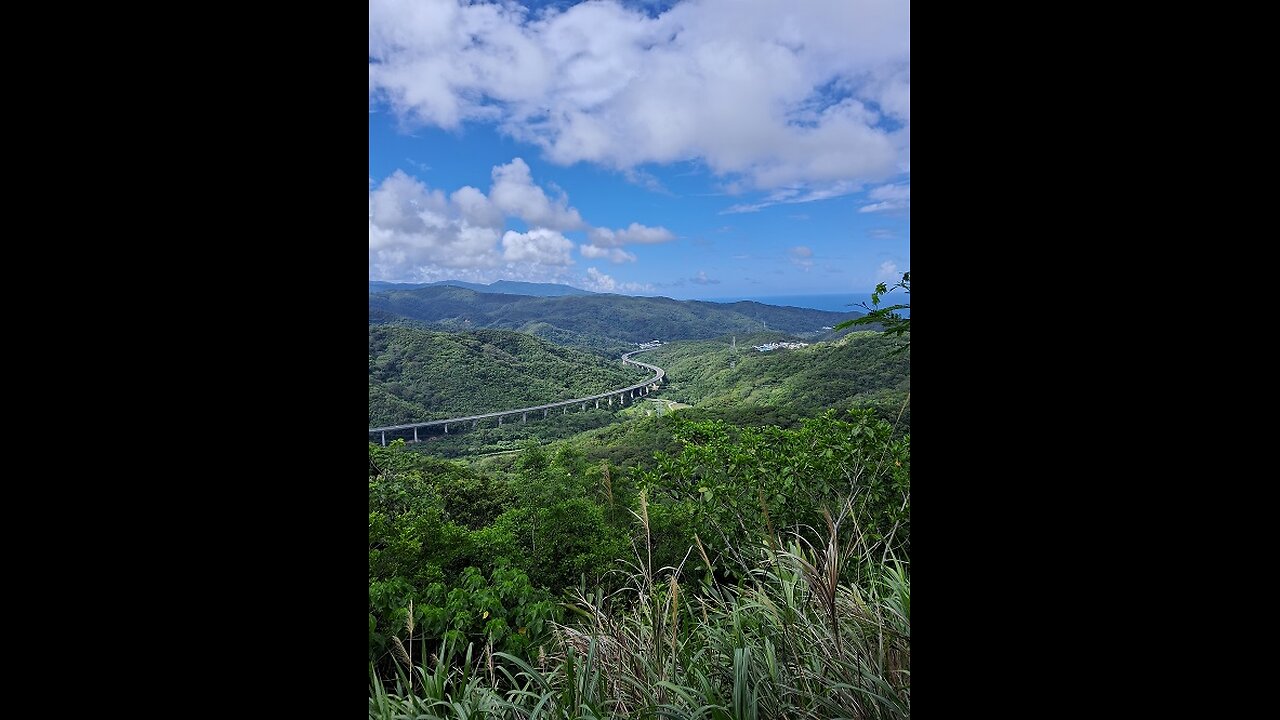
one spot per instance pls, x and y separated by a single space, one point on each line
416 374
506 287
381 286
602 322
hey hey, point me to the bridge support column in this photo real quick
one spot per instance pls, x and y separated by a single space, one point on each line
384 439
474 423
544 414
610 401
415 434
584 407
564 409
524 416
499 420
597 403
446 428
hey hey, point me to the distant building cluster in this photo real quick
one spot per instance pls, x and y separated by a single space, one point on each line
649 345
775 345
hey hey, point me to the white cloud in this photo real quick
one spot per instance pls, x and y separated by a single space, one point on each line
538 246
411 226
800 257
634 233
702 279
617 255
891 197
888 271
599 282
415 230
793 195
515 194
775 92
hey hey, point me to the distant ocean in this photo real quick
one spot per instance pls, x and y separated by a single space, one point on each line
834 303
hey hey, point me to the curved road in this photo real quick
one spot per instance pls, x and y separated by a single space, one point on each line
658 374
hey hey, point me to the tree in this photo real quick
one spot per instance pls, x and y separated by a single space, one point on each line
887 317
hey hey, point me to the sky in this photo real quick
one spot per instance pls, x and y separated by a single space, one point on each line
692 149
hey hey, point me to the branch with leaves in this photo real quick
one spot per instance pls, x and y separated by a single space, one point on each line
887 317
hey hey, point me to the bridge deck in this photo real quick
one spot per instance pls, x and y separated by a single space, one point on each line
659 373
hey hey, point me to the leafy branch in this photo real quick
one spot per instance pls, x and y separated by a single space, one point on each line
887 317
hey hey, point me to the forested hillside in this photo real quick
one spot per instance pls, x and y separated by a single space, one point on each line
418 375
608 323
859 370
735 545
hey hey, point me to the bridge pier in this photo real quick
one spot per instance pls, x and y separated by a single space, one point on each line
524 416
446 428
415 433
564 409
544 414
499 420
584 407
384 439
597 403
610 401
474 423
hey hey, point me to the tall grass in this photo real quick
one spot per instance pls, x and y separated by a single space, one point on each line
796 639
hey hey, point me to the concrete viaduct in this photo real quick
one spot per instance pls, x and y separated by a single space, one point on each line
626 393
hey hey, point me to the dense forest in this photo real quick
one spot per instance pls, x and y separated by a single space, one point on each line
736 546
761 571
861 369
606 323
418 375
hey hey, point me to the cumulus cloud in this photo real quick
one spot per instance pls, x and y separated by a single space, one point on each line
411 226
414 231
617 255
891 197
599 282
776 93
888 271
702 279
635 233
542 246
606 243
514 193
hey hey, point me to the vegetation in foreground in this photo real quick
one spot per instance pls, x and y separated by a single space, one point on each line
758 572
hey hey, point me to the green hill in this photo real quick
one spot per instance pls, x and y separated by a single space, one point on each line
860 369
606 323
417 374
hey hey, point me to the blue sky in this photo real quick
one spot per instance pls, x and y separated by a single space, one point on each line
705 149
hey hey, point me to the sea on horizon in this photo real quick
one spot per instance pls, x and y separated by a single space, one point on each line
840 302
